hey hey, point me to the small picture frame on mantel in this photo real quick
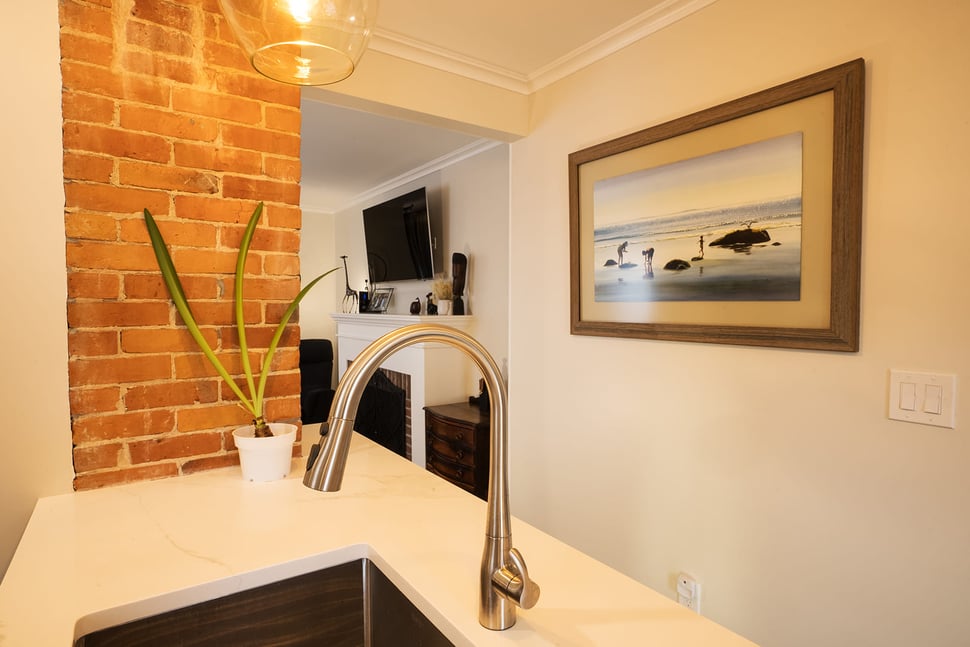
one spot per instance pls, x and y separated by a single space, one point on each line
380 299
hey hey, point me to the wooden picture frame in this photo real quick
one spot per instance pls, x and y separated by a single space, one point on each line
783 165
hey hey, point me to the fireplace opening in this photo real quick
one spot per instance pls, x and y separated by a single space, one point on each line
384 413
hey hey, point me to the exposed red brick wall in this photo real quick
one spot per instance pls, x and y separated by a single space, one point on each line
161 110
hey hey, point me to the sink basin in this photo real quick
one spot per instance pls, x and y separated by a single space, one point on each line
350 604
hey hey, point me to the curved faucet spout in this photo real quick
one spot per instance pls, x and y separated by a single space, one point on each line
505 581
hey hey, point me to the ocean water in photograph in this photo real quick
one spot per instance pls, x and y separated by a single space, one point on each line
763 263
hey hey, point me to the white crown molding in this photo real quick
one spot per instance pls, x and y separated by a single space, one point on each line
637 28
633 30
393 44
463 153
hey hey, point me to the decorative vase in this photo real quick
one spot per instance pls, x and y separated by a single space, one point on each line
459 267
444 307
265 459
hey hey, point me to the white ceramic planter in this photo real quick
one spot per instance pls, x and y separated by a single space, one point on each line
265 459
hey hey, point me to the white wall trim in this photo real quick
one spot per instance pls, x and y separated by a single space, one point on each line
463 153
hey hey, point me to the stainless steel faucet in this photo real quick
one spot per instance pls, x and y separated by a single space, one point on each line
504 581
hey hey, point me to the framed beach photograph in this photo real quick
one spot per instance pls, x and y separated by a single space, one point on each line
739 224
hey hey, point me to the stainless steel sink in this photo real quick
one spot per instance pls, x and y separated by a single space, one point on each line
351 604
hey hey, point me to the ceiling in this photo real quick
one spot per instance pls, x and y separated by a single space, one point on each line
348 155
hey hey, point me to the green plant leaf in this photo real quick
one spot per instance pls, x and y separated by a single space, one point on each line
244 244
170 275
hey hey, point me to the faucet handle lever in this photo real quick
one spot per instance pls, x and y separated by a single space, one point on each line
513 582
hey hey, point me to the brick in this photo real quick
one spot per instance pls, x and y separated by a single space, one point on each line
276 240
78 166
88 429
220 313
165 14
80 47
180 446
92 285
95 400
283 118
110 256
217 158
96 480
177 233
259 337
271 288
214 209
158 38
86 107
110 314
165 122
279 265
258 87
212 417
104 197
237 186
90 226
286 409
225 54
158 340
85 18
211 104
172 178
284 216
192 261
193 366
94 79
96 457
92 343
171 394
152 286
282 168
259 139
116 142
150 90
159 66
118 370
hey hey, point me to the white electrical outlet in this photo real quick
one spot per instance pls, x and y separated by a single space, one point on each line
688 592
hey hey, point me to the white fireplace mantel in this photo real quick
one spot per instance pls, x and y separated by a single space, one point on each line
439 373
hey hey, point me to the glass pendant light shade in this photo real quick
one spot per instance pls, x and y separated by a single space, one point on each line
304 42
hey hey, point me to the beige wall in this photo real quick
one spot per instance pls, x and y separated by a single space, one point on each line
35 436
772 476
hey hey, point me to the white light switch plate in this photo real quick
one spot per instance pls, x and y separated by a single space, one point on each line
924 398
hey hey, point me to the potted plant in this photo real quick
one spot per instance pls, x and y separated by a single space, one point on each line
441 288
249 440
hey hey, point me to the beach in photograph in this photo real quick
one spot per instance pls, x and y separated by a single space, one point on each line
767 271
725 226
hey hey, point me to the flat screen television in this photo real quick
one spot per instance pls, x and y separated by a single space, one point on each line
397 234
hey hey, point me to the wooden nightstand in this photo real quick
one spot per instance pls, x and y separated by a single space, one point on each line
457 445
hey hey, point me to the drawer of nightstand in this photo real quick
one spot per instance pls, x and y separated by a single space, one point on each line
457 474
451 451
453 434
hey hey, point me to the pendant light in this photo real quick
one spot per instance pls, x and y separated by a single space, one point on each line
304 42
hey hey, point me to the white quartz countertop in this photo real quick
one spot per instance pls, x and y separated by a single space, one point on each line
93 559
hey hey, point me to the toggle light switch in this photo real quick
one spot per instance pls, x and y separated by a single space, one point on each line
933 400
907 396
924 398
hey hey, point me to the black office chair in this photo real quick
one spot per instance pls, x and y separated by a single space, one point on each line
316 371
